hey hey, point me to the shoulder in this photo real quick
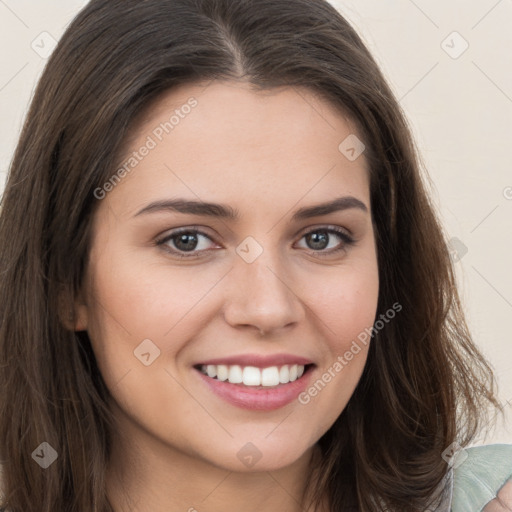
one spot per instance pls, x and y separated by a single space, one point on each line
480 472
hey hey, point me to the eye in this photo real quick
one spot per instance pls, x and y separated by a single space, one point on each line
320 239
183 241
190 242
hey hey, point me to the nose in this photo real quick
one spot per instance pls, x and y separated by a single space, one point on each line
260 296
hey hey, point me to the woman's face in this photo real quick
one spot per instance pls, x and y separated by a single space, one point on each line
265 289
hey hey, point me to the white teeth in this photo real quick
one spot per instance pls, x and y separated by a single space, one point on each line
284 375
222 372
253 376
270 376
235 374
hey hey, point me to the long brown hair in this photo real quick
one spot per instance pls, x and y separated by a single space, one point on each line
425 383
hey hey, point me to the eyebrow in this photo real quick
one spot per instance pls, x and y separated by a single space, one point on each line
223 211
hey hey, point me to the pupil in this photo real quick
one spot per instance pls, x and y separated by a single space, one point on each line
319 240
186 242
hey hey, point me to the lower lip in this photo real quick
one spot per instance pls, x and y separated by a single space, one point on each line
258 399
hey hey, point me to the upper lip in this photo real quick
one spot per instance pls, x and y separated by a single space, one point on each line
258 360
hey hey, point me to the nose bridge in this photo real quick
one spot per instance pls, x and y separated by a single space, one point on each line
260 292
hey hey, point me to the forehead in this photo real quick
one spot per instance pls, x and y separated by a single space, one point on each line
225 139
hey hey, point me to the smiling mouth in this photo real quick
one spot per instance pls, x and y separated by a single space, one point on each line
251 376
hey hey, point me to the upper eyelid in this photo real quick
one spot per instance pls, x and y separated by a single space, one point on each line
189 229
327 227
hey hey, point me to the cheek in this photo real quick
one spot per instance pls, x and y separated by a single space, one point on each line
345 305
133 299
346 301
347 312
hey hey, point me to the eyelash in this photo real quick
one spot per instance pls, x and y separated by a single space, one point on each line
347 241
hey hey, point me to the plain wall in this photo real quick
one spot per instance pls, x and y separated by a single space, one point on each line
459 106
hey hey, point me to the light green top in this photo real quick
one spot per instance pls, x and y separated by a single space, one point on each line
478 475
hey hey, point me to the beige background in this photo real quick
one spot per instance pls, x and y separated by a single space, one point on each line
459 106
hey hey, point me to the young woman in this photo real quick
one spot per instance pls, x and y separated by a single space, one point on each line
224 286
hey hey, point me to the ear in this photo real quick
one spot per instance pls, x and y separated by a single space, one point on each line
73 312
